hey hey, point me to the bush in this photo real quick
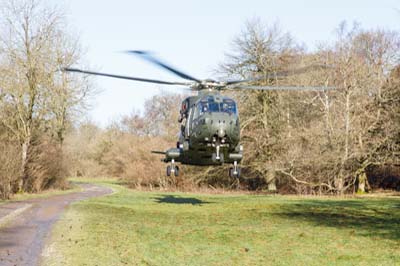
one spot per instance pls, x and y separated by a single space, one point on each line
9 168
46 168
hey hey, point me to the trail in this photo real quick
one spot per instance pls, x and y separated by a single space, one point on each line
25 225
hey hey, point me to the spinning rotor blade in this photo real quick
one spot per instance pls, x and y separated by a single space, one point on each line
266 77
126 77
280 74
148 57
302 70
293 88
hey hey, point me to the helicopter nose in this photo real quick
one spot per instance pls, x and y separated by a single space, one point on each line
221 132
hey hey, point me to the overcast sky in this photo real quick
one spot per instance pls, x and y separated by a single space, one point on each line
193 36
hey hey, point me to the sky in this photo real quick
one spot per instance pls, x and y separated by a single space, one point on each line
193 36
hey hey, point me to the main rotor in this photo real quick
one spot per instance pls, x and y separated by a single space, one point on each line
196 84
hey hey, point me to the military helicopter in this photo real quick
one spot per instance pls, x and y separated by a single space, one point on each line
210 129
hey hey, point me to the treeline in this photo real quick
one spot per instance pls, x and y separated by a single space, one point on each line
37 101
305 142
319 142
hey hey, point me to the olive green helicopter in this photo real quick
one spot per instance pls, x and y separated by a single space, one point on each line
210 129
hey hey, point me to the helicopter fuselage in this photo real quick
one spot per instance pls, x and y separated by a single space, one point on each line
210 131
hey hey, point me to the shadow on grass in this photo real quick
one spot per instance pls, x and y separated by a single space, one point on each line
179 200
372 218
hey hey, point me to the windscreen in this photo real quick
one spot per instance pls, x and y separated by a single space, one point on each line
226 106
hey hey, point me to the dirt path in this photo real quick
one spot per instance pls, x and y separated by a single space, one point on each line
22 237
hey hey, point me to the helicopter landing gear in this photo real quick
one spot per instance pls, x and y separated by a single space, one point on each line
235 171
172 169
221 158
217 156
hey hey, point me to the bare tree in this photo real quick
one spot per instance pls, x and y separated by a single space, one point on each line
261 50
35 97
160 117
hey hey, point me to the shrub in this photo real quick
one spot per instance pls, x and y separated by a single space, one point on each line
9 168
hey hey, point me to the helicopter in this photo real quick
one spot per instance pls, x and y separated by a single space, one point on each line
210 127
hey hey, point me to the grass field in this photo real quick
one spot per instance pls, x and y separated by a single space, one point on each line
155 228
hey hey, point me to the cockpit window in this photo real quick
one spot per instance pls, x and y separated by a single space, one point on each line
209 105
203 108
214 107
228 106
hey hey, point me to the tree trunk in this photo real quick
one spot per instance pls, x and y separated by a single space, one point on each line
271 181
22 183
339 183
347 128
363 185
362 182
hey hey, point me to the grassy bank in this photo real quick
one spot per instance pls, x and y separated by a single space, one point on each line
153 228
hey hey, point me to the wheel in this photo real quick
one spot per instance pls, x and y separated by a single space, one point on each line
231 172
214 158
168 170
221 158
176 173
239 172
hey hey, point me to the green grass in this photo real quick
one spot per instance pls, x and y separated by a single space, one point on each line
155 228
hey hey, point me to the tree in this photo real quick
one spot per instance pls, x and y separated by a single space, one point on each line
362 61
265 116
35 97
160 117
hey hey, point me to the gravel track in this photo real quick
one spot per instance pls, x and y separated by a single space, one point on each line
26 224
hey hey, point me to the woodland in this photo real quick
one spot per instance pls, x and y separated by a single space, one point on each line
339 141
